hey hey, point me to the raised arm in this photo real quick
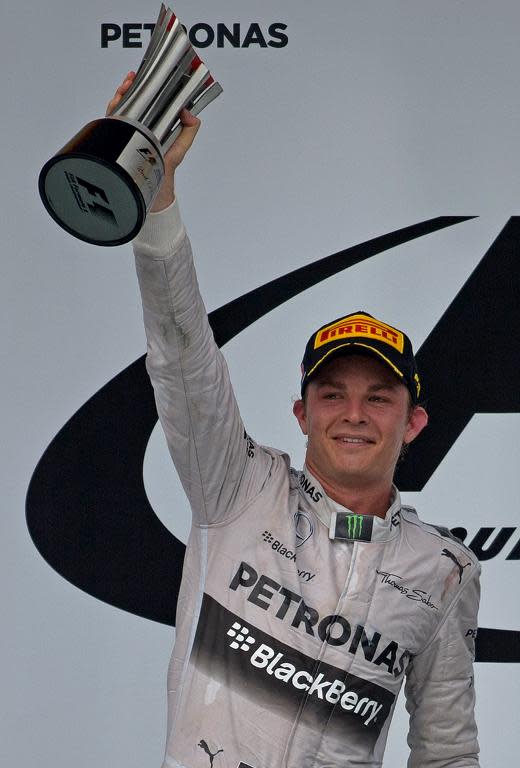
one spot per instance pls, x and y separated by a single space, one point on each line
218 465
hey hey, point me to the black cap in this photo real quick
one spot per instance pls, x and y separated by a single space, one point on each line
362 333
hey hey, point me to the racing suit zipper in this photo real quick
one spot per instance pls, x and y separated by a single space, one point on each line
318 686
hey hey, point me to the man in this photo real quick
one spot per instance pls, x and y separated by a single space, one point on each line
307 597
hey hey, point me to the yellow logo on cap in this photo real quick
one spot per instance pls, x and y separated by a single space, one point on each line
417 383
360 326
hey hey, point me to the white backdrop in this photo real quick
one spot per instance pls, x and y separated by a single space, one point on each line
373 116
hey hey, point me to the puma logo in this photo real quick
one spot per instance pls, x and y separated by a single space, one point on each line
203 745
447 553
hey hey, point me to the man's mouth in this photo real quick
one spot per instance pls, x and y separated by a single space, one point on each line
353 440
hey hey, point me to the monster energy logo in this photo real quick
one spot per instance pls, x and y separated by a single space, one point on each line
354 526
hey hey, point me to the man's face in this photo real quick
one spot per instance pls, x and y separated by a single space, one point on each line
357 415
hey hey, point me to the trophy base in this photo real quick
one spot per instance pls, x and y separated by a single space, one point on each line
100 185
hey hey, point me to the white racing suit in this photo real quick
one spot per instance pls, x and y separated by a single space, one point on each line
296 621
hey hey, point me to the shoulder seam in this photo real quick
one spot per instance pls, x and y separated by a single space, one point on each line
432 530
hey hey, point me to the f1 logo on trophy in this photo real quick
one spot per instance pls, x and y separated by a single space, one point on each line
100 185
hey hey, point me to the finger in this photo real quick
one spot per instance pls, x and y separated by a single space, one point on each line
122 89
183 142
120 92
187 135
127 82
188 119
190 127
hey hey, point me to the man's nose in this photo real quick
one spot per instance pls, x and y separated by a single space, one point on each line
354 410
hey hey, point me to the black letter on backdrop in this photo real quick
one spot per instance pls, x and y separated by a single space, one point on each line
109 33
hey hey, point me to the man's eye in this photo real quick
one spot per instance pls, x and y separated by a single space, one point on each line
377 399
331 395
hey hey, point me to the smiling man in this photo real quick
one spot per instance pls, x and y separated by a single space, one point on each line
360 387
307 596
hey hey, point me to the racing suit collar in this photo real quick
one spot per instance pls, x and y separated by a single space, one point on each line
341 521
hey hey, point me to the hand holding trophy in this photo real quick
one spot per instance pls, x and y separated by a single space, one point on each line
101 184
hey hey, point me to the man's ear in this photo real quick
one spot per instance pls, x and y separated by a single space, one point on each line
416 423
299 412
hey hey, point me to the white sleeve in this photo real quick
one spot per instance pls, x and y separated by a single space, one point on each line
214 457
440 693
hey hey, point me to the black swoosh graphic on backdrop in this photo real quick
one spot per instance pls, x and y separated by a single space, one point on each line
471 359
87 509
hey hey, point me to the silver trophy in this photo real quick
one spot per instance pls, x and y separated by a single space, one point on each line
100 185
